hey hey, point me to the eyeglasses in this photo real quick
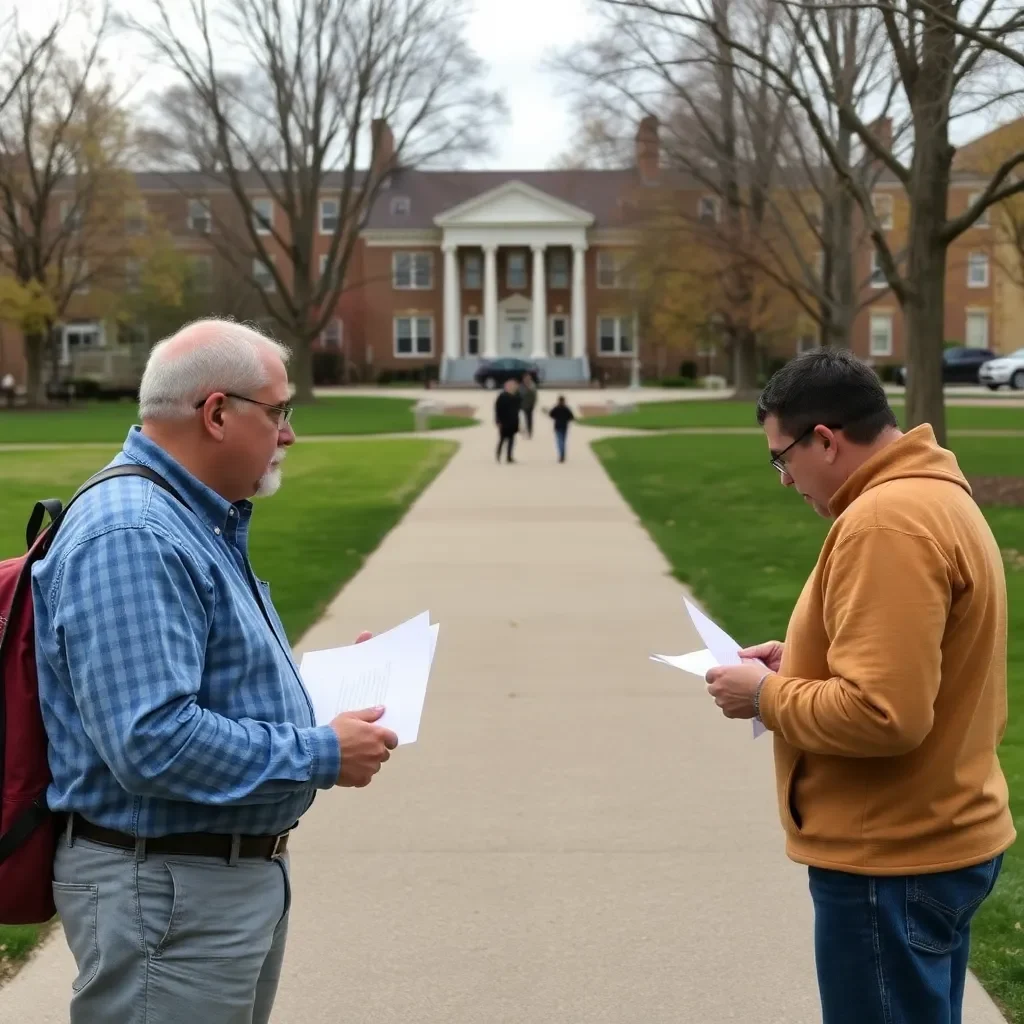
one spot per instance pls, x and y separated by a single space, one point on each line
777 458
284 412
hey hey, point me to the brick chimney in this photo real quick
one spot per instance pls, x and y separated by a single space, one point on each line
648 149
383 140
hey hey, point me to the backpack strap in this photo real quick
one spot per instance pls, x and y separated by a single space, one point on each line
52 506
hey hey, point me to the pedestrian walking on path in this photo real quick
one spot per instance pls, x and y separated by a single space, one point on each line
528 401
507 410
562 416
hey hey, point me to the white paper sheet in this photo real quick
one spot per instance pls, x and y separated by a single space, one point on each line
391 668
721 650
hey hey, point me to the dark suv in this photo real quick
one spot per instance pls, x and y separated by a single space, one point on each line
495 372
960 365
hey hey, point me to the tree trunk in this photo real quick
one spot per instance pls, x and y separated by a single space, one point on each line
35 357
842 283
924 313
744 363
302 370
928 195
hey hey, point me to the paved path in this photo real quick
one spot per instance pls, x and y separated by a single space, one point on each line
577 836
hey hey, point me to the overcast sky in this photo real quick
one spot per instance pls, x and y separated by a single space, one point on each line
512 37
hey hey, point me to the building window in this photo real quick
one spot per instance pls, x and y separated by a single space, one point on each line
81 336
330 337
819 266
262 216
977 270
611 269
400 206
615 335
262 275
877 273
881 334
328 216
472 271
200 272
199 217
559 336
707 210
471 336
414 335
412 270
558 269
977 328
515 270
806 343
881 202
983 218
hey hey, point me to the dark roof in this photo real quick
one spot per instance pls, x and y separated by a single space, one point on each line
601 193
196 182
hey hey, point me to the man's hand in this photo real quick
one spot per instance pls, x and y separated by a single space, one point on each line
733 687
364 746
770 653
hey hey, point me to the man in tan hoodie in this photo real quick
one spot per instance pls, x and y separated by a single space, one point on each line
887 700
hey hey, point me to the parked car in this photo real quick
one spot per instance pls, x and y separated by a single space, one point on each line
495 372
1004 370
960 365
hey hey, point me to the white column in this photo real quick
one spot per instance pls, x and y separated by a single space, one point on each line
490 301
579 303
540 305
452 313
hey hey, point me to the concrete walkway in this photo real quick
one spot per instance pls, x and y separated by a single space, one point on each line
577 836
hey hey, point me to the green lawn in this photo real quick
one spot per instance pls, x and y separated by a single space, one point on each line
110 421
336 504
745 545
727 413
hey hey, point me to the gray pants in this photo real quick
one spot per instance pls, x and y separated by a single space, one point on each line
171 940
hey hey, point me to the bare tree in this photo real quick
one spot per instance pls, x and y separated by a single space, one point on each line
950 57
728 131
277 98
63 189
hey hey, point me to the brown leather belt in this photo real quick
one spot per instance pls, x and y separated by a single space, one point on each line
187 844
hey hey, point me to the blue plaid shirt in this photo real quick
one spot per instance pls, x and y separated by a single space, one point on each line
169 704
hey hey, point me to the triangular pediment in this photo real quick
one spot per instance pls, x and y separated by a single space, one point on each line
514 204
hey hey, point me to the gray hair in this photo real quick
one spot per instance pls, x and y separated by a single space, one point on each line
203 357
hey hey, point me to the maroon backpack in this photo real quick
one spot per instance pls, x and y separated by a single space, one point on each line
28 831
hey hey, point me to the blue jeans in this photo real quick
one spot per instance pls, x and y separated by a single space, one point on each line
893 950
560 436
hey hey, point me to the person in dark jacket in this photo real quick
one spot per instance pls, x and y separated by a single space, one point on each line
562 416
528 401
506 416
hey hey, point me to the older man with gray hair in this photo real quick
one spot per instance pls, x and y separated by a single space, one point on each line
182 742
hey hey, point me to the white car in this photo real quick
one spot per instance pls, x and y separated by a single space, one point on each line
1004 370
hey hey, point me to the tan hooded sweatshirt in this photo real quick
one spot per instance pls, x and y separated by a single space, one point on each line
891 698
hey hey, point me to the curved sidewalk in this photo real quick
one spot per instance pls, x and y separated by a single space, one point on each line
577 836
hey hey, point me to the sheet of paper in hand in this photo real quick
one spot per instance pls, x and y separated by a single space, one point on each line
391 669
721 650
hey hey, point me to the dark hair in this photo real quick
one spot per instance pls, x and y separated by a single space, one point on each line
830 387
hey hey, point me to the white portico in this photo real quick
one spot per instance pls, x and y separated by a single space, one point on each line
522 219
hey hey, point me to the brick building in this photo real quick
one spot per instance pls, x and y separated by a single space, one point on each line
456 266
